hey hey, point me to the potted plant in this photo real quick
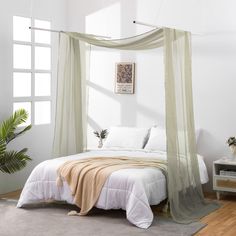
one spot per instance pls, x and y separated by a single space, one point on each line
101 135
12 161
231 141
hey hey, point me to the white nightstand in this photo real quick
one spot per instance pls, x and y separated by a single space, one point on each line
223 180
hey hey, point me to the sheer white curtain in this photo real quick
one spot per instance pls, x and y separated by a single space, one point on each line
69 134
70 118
184 187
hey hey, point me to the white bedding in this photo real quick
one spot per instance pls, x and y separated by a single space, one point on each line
132 190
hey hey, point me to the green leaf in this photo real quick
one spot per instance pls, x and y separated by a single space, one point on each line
19 133
103 133
97 134
2 147
13 161
8 126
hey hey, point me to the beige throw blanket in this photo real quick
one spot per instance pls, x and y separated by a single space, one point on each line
86 177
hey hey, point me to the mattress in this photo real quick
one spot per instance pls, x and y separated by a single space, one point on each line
132 190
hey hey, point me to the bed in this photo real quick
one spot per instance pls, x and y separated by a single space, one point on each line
132 190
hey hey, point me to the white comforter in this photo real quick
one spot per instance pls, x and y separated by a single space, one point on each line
132 190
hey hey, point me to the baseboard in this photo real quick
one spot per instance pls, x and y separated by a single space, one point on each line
12 195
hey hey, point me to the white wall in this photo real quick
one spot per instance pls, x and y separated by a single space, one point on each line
39 139
214 56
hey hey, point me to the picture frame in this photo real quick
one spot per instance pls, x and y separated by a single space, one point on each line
124 79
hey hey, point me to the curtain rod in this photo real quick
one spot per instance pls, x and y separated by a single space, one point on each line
61 31
146 24
50 30
135 22
159 27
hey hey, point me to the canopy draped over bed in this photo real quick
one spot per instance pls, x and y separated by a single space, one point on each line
185 195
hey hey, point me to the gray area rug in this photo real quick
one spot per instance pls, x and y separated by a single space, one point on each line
52 220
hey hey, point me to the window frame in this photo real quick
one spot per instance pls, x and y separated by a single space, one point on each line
32 99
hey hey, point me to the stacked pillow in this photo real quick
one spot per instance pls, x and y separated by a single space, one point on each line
157 140
126 137
137 138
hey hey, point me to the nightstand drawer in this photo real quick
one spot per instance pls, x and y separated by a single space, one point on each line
226 183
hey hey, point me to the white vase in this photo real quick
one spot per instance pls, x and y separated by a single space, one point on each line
233 150
100 143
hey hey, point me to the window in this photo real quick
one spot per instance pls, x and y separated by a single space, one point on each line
32 69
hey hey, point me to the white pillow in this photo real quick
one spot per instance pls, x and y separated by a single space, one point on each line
126 137
157 139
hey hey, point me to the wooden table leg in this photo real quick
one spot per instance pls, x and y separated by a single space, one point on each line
218 195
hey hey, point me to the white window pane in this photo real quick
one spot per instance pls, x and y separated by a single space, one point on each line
22 56
42 84
42 36
27 107
21 31
42 112
21 84
42 58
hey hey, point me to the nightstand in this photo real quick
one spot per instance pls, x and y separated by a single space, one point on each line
224 176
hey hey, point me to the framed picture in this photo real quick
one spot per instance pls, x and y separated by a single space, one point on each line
124 81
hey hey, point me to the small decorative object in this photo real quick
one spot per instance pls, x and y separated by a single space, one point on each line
101 135
232 144
124 83
12 161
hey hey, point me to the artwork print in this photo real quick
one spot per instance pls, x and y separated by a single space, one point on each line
124 83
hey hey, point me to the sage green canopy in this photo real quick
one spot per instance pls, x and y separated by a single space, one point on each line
185 195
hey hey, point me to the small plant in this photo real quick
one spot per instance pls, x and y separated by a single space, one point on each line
231 141
232 145
101 135
13 161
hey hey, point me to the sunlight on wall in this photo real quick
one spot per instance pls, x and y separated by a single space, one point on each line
105 22
150 88
103 106
147 14
181 14
102 100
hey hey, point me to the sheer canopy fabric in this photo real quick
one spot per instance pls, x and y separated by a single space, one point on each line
149 40
70 121
69 135
184 187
